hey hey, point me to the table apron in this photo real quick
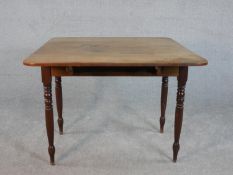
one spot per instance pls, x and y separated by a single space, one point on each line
115 71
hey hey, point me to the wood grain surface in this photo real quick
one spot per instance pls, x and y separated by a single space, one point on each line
113 51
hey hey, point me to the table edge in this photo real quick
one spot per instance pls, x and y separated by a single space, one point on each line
204 63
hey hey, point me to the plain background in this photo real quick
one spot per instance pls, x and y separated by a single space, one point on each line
111 124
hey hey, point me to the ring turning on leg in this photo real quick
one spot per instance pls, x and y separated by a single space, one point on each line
59 103
164 90
46 79
182 78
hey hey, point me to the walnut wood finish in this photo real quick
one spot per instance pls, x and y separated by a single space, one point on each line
121 56
46 79
59 103
113 51
164 90
182 78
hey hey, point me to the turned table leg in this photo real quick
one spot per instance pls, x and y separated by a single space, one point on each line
59 103
164 90
46 79
182 78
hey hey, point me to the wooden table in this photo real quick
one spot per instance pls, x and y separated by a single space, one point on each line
113 56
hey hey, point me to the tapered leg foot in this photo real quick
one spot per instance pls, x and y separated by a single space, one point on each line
176 147
46 79
51 150
182 78
59 103
60 124
164 90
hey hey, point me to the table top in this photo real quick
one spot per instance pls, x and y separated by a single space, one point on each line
113 51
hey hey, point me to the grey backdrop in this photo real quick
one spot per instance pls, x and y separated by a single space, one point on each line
111 124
